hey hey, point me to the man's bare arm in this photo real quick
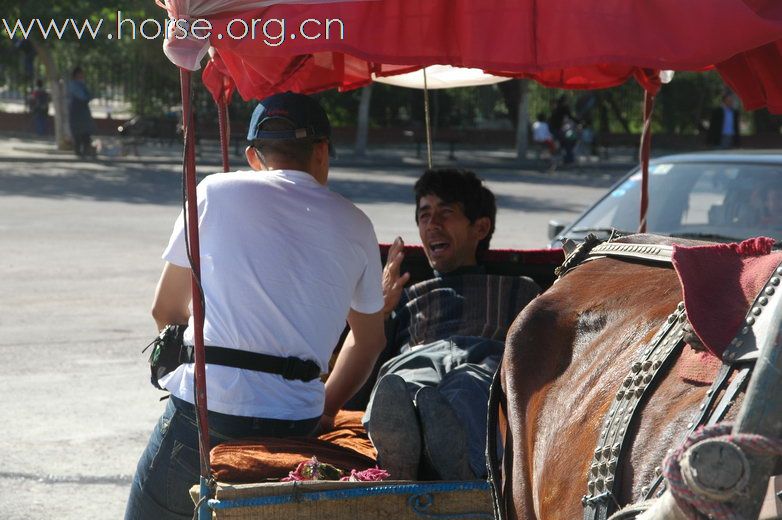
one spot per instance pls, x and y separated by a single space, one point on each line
360 350
172 296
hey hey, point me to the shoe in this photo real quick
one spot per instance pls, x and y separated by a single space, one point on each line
394 429
445 441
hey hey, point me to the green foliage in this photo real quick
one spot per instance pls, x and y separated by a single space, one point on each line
133 70
341 107
683 106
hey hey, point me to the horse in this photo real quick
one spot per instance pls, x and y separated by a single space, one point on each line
566 355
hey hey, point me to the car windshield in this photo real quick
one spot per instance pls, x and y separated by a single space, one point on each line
713 201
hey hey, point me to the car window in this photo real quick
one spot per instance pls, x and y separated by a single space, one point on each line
708 191
708 200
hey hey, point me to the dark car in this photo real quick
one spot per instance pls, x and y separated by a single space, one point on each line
717 196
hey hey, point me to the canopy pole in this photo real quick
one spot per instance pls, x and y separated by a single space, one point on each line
225 130
646 142
191 220
427 122
761 412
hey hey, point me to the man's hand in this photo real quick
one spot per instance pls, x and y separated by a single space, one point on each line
326 424
393 283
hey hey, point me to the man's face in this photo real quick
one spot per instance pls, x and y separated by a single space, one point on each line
449 240
729 101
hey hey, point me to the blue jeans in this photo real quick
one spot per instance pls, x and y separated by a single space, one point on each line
461 368
40 121
170 465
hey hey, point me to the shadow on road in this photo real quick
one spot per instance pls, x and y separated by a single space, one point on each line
147 183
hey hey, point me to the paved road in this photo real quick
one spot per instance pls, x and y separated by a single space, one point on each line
80 246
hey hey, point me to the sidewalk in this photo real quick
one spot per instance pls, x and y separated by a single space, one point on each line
21 147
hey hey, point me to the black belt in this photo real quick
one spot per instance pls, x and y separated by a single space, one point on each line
288 367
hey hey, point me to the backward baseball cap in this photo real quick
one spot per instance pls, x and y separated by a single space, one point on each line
308 118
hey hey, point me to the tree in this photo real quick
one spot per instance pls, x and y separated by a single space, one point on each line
57 44
362 126
522 121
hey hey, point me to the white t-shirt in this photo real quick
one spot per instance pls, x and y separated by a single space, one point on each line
283 259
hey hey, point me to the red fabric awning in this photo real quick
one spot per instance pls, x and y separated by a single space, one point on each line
578 44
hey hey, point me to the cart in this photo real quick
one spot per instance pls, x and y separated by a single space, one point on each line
567 44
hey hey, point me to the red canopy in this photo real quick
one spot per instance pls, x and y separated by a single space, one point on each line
579 44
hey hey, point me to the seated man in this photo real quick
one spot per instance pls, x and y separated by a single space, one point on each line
449 333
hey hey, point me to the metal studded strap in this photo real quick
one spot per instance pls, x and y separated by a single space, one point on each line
757 323
593 248
645 372
649 252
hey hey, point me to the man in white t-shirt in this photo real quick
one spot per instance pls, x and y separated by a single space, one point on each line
541 134
284 262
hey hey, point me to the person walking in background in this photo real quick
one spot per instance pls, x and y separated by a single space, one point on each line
39 108
724 123
562 124
541 134
80 117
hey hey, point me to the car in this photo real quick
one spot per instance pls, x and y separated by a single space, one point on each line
716 196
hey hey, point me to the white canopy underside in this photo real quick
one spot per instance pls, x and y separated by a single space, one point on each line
441 76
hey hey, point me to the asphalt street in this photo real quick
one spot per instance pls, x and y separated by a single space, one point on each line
80 246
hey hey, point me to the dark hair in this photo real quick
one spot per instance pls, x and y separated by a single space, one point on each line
463 187
39 83
76 70
541 116
297 151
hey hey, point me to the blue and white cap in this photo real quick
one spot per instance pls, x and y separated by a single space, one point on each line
308 118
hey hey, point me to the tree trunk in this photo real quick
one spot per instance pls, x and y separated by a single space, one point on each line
605 127
618 112
62 134
522 121
362 125
510 95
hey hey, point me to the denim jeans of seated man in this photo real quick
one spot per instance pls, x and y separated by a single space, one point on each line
461 368
170 465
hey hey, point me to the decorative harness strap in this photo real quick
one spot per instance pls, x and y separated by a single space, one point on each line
593 248
645 373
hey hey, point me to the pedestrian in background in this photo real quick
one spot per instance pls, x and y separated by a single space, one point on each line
541 134
39 108
81 123
724 123
563 125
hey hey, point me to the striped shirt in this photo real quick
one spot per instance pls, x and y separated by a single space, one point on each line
460 304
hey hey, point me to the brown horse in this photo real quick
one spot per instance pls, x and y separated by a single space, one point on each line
567 354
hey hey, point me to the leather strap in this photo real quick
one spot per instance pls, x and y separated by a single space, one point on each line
645 373
291 368
709 415
496 399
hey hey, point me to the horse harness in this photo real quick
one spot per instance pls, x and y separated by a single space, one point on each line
649 368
